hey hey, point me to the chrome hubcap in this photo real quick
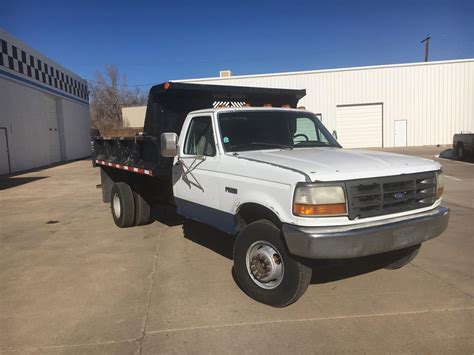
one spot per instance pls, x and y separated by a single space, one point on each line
116 205
264 265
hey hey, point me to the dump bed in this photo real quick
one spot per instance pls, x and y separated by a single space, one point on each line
167 108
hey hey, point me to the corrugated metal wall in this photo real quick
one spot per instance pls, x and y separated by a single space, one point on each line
43 107
436 98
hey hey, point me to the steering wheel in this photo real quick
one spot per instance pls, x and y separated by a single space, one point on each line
301 135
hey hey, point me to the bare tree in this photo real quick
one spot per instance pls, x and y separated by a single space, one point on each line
109 93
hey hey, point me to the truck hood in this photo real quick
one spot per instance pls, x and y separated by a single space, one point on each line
333 164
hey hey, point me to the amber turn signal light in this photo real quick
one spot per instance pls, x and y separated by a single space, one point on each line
439 185
319 210
440 192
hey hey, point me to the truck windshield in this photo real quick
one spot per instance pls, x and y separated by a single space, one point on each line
258 130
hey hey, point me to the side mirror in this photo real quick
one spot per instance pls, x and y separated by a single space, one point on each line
334 134
169 145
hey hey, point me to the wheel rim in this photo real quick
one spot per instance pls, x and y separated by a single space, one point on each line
116 205
265 265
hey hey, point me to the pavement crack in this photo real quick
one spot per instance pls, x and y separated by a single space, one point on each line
66 346
442 280
316 319
150 293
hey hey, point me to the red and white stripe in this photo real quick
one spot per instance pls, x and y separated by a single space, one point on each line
124 167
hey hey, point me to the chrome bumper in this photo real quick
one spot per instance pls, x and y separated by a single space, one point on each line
342 242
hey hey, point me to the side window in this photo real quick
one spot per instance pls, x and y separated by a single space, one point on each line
305 130
200 137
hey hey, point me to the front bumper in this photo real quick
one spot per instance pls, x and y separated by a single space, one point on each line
342 242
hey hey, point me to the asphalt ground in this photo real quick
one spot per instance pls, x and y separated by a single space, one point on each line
72 282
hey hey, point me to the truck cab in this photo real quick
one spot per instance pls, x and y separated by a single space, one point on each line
322 201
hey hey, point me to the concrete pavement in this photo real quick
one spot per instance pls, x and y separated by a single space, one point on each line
71 282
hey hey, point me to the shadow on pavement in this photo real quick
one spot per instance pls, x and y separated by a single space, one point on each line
324 271
7 182
211 238
166 214
199 233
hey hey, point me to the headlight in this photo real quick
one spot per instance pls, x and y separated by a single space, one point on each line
316 200
439 185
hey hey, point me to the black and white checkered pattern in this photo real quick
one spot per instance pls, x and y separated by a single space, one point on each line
18 60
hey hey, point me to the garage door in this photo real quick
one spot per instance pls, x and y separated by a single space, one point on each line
359 126
4 154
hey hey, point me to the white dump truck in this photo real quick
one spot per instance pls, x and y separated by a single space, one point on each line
247 161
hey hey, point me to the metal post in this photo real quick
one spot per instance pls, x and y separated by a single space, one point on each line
427 46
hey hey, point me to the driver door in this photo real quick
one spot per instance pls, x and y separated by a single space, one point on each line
195 184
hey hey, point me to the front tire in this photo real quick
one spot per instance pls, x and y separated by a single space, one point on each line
122 205
402 257
264 269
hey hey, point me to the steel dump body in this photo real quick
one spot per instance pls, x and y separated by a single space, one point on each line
167 108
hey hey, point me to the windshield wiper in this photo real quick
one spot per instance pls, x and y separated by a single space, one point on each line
274 145
314 144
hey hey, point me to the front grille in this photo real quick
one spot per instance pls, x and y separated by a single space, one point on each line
392 194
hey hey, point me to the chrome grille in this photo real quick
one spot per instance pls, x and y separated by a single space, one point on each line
392 194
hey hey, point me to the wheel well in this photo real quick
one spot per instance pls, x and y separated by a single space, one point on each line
251 212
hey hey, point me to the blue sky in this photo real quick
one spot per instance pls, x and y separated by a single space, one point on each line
156 41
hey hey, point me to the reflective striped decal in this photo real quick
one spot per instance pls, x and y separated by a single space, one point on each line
124 167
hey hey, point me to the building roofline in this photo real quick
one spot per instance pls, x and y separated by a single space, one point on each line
134 106
386 66
31 50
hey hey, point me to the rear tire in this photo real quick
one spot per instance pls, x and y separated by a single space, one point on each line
142 209
402 257
122 205
264 269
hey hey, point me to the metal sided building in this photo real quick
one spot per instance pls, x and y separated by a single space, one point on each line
382 106
44 109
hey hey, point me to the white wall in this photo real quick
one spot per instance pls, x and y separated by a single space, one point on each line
21 114
34 90
436 98
24 113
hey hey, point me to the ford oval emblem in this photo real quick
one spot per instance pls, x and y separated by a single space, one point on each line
399 195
